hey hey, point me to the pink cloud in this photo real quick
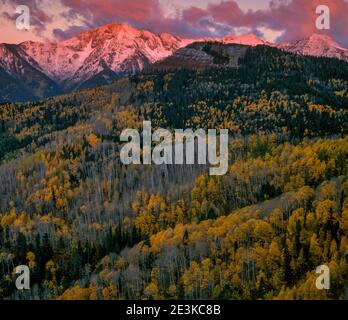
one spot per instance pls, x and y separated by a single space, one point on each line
295 18
194 14
226 12
298 18
132 10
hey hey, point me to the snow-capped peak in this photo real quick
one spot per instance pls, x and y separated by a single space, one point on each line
315 37
319 45
122 48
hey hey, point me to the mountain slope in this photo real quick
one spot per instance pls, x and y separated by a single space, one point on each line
10 90
25 71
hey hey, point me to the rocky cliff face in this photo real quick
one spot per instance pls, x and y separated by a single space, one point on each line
202 55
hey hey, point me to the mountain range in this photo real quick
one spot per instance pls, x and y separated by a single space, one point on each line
33 70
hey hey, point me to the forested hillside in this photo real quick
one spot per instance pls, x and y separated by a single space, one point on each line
90 227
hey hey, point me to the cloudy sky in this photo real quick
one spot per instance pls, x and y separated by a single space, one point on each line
273 20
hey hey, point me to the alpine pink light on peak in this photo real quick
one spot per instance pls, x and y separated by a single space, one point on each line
324 38
248 39
121 48
318 45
